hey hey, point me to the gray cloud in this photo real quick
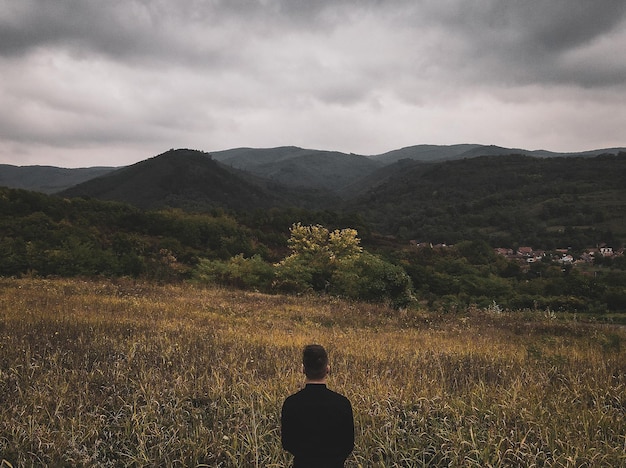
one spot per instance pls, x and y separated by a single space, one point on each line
535 40
138 76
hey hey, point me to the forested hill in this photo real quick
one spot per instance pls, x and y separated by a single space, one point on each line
505 200
220 233
185 179
302 169
47 179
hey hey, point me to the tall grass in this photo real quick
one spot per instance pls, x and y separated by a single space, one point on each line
135 374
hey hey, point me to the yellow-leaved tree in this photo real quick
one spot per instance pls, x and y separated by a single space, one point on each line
315 254
335 262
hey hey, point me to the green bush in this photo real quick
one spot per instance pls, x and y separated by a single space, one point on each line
316 253
239 271
295 275
369 277
615 299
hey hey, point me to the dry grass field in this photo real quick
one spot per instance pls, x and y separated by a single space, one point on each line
122 373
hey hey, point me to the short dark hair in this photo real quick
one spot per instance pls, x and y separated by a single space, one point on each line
315 361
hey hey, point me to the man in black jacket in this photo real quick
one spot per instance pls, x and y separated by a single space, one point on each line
317 424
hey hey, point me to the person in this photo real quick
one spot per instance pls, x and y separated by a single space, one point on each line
317 424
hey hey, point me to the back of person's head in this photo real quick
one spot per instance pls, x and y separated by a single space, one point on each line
315 361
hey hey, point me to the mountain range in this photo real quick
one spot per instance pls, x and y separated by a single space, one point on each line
47 179
289 165
421 191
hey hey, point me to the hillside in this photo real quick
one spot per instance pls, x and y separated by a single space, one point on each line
547 202
183 178
296 171
505 200
246 158
47 179
543 200
425 153
297 167
438 153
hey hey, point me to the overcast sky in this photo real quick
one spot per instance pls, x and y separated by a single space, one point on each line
94 82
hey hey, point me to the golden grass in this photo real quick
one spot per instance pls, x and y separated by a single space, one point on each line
123 373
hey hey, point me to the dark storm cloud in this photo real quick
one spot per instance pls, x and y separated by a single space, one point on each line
144 29
525 41
530 41
364 76
29 24
124 30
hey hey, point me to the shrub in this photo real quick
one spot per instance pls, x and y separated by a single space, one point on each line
239 271
369 277
615 299
316 253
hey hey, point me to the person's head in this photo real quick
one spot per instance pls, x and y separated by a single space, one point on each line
315 362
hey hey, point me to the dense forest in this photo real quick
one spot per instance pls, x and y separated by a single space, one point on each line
505 201
47 235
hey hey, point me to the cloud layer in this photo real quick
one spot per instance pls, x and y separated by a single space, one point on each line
86 82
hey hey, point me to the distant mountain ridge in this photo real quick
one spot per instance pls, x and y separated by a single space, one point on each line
416 194
433 153
506 198
289 166
177 178
47 179
298 167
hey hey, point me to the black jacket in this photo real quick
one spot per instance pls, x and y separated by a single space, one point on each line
317 427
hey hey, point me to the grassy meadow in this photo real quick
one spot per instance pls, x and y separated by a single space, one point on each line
124 373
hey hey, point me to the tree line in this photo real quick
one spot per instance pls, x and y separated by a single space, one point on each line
290 250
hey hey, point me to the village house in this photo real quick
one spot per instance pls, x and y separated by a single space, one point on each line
606 251
586 257
564 256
